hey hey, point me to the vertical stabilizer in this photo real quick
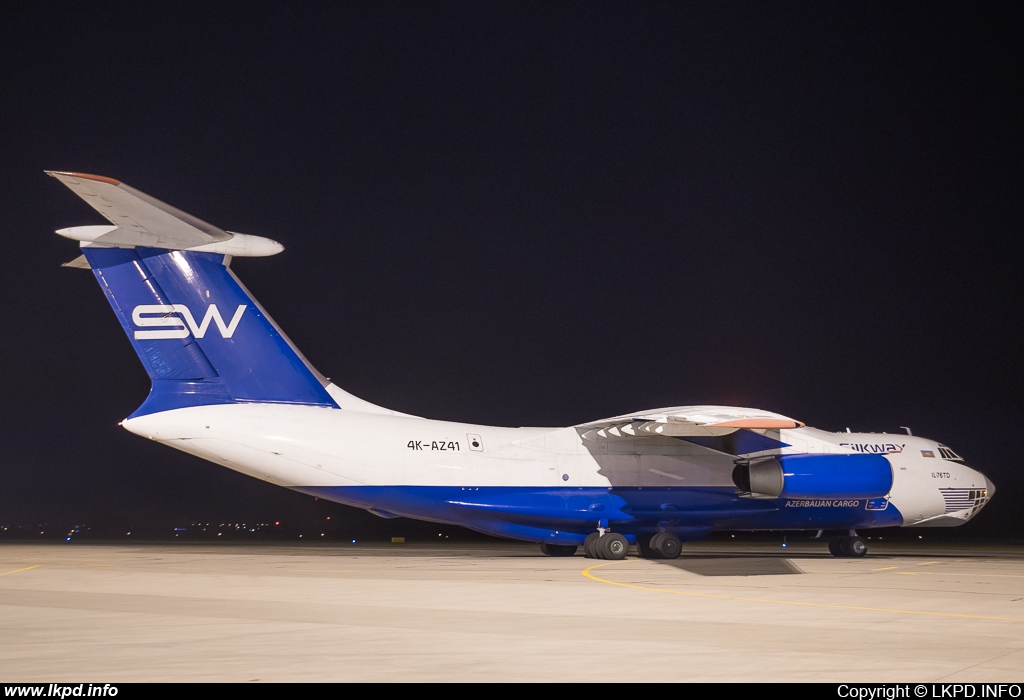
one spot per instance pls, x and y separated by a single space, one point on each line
201 337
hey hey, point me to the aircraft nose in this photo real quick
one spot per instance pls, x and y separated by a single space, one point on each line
990 487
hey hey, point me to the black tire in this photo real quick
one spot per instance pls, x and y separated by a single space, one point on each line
835 546
558 550
643 547
665 546
588 545
856 547
612 546
668 546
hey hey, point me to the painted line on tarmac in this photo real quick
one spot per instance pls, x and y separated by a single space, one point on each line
946 572
34 566
587 572
957 573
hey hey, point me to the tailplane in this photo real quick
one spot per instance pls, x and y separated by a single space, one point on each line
199 333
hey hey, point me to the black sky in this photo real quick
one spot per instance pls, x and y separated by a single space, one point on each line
528 214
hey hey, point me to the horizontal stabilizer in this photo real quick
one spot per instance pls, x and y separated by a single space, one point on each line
143 221
240 245
79 263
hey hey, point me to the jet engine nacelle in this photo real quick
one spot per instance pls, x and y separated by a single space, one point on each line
816 476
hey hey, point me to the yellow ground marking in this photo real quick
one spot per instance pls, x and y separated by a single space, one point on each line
34 566
955 573
587 572
467 571
886 568
928 563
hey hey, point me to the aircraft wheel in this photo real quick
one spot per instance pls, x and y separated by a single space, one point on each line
558 550
835 546
666 546
588 545
611 546
855 547
643 547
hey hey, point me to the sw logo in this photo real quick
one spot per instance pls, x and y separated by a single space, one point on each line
181 326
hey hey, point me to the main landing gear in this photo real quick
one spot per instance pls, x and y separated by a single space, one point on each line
558 550
598 545
605 545
659 546
602 544
848 546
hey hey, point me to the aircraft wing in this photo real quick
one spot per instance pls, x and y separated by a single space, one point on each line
727 429
686 421
139 219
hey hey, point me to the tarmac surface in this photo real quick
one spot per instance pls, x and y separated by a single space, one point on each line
283 612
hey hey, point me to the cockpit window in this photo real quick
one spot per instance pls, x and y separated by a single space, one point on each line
949 454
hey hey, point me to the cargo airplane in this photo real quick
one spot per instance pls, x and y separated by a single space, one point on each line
230 387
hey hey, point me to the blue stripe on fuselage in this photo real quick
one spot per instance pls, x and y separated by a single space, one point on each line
530 512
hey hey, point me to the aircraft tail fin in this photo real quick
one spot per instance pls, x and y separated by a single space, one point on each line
199 333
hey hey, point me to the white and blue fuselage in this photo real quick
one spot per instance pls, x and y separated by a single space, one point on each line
553 485
228 386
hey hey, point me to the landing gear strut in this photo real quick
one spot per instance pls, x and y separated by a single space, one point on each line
848 546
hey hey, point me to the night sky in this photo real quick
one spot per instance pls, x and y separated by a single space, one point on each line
527 213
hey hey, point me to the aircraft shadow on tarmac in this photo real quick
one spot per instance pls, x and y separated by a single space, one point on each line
734 566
